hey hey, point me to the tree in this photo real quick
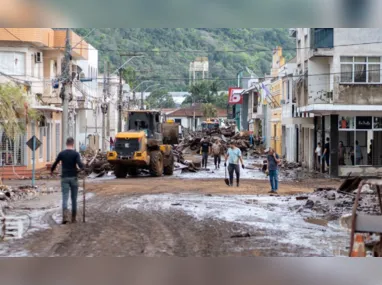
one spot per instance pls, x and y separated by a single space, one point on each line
221 100
14 107
200 93
160 99
209 110
130 76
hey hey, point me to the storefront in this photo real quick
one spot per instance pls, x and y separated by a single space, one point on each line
359 150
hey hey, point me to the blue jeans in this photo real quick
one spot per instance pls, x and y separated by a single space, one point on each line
69 184
274 179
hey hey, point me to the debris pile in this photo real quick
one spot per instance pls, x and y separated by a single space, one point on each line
191 143
331 204
12 194
96 163
183 164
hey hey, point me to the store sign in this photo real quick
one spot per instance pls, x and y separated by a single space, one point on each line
234 96
364 123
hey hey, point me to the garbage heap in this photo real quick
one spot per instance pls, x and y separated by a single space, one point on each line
96 162
191 144
8 193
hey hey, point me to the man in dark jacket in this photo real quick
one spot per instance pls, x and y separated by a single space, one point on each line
69 159
205 149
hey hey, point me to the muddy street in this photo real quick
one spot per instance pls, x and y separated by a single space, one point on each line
180 217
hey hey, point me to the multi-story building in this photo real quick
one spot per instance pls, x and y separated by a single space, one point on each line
339 91
88 97
289 118
276 84
32 57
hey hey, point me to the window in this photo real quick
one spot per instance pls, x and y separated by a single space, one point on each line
12 63
321 38
357 144
360 69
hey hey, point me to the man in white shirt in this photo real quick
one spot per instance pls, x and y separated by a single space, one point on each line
233 156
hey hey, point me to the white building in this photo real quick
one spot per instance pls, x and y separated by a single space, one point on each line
340 85
86 92
289 118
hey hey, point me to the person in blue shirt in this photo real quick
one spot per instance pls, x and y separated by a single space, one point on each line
273 162
233 156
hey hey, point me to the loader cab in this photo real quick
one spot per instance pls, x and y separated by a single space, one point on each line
147 121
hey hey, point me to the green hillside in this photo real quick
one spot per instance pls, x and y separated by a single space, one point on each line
168 52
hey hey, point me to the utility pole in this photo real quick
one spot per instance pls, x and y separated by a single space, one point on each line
142 102
134 100
65 90
120 102
104 105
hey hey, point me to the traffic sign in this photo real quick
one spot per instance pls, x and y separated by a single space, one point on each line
37 143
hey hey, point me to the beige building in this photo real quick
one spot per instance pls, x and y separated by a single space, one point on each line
32 57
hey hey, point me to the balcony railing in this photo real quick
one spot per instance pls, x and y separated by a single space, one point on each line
289 110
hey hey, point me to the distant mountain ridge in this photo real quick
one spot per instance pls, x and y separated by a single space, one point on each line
168 52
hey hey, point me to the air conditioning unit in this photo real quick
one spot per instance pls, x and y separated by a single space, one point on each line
38 57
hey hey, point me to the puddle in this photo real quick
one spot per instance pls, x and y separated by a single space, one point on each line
274 216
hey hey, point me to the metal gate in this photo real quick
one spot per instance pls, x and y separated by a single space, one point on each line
12 150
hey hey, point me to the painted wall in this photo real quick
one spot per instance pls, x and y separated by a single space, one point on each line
43 156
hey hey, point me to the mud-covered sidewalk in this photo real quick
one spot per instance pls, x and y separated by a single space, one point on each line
180 217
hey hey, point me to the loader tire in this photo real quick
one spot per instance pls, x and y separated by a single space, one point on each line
156 163
120 171
133 172
169 168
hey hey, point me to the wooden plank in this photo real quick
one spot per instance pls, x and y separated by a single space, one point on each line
368 224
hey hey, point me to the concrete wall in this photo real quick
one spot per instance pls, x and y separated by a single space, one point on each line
42 157
366 94
319 85
367 171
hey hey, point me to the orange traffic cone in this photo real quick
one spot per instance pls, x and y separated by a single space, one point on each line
359 249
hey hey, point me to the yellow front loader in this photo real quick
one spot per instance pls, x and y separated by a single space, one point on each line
142 146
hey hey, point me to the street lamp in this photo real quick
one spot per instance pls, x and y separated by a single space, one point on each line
144 81
142 92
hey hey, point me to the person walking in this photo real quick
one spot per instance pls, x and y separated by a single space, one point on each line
318 153
69 159
273 161
216 152
251 141
233 156
205 149
341 154
358 153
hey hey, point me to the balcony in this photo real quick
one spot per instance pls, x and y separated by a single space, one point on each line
321 42
289 111
41 37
